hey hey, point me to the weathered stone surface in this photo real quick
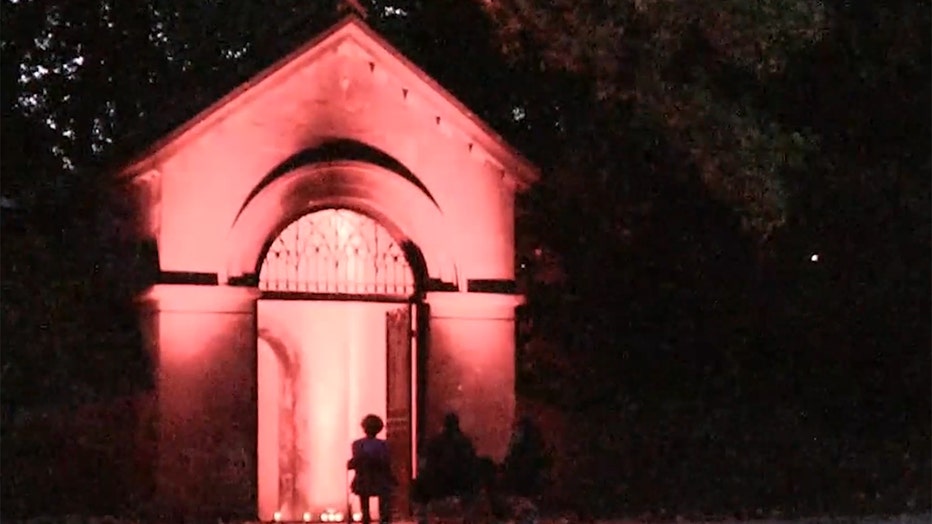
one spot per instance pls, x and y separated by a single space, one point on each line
204 344
345 122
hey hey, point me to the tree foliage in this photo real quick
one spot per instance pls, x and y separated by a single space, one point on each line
714 77
682 66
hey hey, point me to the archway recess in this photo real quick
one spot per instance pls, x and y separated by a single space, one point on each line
339 286
404 213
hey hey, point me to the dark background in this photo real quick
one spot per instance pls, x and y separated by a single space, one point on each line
693 364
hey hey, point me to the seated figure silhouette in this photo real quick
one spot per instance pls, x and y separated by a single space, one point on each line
525 470
527 462
449 466
372 463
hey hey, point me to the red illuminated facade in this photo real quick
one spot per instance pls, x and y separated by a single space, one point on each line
335 238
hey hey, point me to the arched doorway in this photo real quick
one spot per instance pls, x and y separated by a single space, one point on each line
336 336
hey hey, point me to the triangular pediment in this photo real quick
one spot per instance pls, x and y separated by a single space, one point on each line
353 38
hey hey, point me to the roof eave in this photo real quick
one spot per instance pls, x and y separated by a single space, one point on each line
523 172
164 146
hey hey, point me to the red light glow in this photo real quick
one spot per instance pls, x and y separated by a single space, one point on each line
282 382
336 377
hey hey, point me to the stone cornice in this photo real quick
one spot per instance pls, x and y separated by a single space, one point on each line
193 298
484 306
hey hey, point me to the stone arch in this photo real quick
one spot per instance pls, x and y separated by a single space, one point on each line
399 206
340 149
286 432
282 345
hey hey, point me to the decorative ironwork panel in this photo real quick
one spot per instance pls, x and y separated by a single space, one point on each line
336 251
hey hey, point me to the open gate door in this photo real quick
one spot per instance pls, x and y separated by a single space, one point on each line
399 395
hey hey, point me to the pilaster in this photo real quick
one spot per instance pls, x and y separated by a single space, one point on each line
470 366
203 343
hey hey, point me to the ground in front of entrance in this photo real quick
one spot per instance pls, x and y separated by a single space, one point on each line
921 518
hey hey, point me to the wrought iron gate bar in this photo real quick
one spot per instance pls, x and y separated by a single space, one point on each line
336 252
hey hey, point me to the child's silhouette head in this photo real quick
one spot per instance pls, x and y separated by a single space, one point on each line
372 425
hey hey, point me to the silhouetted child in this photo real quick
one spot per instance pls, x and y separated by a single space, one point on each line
372 463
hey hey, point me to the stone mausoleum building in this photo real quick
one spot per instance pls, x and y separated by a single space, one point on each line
334 238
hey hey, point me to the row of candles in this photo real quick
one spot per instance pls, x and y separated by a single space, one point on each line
327 516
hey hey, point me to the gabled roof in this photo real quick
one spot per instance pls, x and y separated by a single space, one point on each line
351 27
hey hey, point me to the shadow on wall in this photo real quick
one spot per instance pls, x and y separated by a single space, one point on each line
337 149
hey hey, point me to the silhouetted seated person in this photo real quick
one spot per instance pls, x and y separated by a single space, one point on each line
372 463
448 468
526 466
